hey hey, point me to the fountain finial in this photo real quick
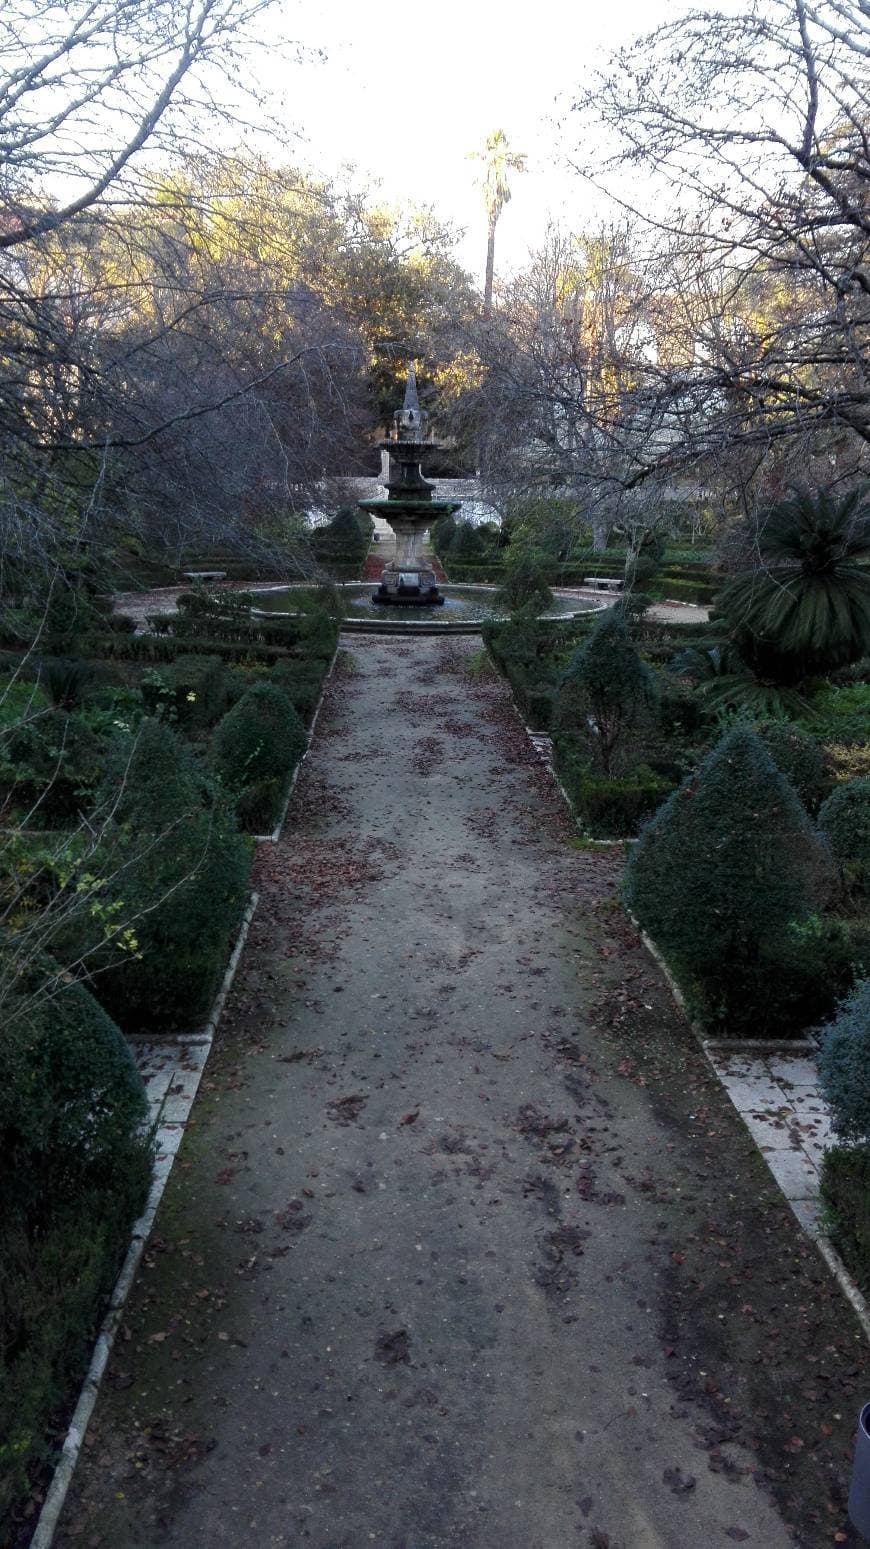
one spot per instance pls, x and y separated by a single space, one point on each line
409 422
411 399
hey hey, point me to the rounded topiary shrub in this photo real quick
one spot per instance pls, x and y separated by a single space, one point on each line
258 744
844 1065
845 821
721 878
799 757
76 1170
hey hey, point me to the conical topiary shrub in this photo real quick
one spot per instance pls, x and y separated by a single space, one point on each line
723 878
606 690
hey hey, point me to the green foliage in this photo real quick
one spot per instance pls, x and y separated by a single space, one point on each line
256 748
839 713
550 523
799 757
66 614
75 1174
65 680
52 761
845 1184
469 543
608 689
179 868
302 682
806 609
526 588
613 807
722 877
190 690
443 532
345 538
845 821
728 686
261 738
844 1065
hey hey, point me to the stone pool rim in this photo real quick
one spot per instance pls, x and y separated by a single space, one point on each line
384 622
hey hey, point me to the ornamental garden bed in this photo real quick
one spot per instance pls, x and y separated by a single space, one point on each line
134 771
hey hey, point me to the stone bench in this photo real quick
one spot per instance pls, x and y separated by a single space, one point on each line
204 575
603 583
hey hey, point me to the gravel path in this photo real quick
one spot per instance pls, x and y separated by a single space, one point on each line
465 1246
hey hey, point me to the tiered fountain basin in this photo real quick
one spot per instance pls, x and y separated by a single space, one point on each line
463 610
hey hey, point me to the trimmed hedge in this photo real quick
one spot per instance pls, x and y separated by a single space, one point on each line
845 1184
844 1065
76 1169
302 682
608 808
798 756
728 879
255 749
177 871
845 821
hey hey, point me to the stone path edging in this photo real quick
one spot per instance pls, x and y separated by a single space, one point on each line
169 1134
725 1046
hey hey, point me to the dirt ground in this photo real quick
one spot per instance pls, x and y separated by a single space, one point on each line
465 1247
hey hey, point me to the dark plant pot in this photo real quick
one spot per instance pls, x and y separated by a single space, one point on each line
859 1492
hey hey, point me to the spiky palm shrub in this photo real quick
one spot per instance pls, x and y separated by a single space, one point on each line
723 878
806 608
606 690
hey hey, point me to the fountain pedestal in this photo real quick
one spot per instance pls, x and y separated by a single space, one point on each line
409 509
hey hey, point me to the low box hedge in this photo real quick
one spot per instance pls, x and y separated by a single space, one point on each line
845 1185
608 808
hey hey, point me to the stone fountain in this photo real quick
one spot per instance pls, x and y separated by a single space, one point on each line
409 579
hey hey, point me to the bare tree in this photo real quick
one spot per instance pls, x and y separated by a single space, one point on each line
750 131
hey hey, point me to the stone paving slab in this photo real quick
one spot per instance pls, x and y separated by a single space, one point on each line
779 1099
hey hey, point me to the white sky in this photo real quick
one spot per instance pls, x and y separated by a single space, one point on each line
470 66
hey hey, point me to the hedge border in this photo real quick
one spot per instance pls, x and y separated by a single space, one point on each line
275 835
56 1494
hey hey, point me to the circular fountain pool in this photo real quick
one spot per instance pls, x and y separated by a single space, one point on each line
464 608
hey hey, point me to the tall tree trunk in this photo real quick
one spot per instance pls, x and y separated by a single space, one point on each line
490 270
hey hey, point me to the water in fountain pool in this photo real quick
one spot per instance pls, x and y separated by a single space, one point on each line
462 605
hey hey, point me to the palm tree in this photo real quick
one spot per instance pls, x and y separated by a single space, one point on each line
806 609
498 160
